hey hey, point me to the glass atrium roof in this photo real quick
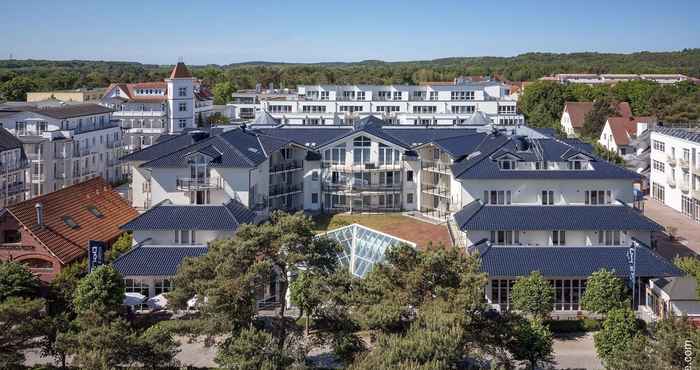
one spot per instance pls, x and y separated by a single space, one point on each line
362 247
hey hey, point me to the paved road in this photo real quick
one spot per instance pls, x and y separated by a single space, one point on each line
687 242
576 351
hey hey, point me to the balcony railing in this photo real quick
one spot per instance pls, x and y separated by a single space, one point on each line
198 183
442 191
671 160
436 213
696 194
284 189
13 166
671 181
34 156
13 188
62 154
362 167
684 186
60 175
113 162
683 163
82 152
440 167
286 167
38 177
113 144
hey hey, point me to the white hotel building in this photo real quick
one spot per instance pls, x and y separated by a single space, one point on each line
675 169
462 103
66 144
524 200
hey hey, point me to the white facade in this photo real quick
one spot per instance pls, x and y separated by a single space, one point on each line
63 151
596 79
423 105
13 172
675 170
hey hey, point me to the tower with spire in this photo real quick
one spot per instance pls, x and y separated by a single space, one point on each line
180 99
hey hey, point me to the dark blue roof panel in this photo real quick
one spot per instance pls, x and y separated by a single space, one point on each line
155 260
569 217
572 261
192 217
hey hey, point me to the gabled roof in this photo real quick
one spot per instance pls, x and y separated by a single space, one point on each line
478 118
69 243
578 110
567 217
571 261
180 71
625 128
66 111
264 118
152 260
459 146
8 141
681 288
681 133
165 145
166 216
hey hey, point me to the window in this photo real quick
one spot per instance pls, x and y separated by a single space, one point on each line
559 237
595 197
324 95
507 164
11 236
388 155
462 109
409 198
398 95
387 108
162 286
280 108
424 109
500 293
182 107
182 91
497 197
433 95
135 286
547 197
658 192
505 237
313 108
462 95
37 263
70 222
409 176
314 175
658 166
314 198
361 152
335 155
506 109
609 237
184 237
360 95
659 145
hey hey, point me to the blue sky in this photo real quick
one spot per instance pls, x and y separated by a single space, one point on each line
155 31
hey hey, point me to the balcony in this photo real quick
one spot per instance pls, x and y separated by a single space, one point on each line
684 186
440 167
113 144
286 166
13 166
139 113
684 164
284 189
113 162
14 188
35 156
61 154
38 177
87 172
82 152
60 175
671 160
671 181
198 183
437 190
696 194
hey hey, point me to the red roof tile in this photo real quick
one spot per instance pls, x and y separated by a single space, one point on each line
67 243
180 71
578 110
624 128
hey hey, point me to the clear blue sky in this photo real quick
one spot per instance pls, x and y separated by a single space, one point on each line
155 31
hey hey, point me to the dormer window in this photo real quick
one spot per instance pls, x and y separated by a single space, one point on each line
576 165
506 164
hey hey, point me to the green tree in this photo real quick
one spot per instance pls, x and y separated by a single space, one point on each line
22 321
100 292
17 281
306 293
155 348
532 343
97 344
223 92
670 340
617 334
691 266
17 88
119 247
604 292
533 295
254 349
594 120
542 103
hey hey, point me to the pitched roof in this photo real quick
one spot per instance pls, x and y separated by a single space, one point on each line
569 261
8 141
155 260
166 216
568 217
66 111
180 71
72 203
264 118
166 144
578 110
681 288
625 128
681 133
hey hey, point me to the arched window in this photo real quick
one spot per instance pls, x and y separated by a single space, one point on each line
361 152
37 263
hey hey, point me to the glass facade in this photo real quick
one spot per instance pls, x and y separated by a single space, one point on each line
362 247
567 293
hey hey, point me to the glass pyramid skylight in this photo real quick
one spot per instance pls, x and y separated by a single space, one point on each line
362 247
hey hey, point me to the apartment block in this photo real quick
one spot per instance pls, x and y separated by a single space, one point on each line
13 169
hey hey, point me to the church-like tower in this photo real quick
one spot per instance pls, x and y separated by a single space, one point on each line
180 99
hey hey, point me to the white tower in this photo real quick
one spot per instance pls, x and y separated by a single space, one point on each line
180 99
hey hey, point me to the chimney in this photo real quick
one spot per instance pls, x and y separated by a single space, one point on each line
39 214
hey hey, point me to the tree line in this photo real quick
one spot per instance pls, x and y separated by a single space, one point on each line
43 75
419 309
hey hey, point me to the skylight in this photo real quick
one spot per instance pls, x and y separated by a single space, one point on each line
70 222
95 212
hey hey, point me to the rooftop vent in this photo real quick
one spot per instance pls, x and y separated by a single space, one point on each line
198 135
39 214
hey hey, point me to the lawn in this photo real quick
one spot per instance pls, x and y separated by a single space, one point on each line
404 227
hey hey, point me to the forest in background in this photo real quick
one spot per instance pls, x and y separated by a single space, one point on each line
19 76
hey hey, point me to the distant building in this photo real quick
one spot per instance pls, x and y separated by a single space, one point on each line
597 79
147 110
13 169
673 297
619 133
66 144
82 95
467 101
574 115
51 231
675 169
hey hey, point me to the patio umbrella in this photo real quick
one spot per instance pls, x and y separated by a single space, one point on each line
157 302
133 299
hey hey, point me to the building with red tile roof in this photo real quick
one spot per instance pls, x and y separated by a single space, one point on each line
574 114
53 230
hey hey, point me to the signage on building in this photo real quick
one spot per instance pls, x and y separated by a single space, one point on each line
96 254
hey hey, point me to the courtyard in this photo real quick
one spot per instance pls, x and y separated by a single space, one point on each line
686 241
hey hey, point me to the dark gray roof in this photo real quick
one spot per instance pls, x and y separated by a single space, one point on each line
568 217
263 118
66 111
571 261
164 146
155 260
8 141
682 133
193 217
682 288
